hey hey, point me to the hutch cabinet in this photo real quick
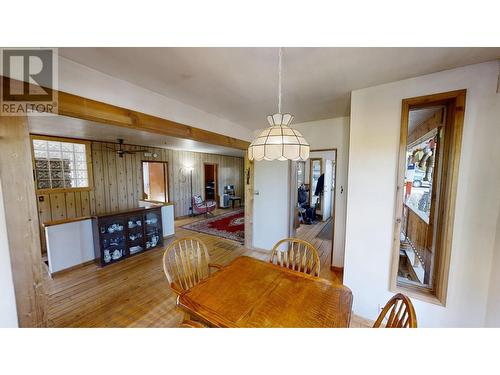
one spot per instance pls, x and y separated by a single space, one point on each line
120 235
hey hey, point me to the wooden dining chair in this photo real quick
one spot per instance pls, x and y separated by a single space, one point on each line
401 313
297 255
186 262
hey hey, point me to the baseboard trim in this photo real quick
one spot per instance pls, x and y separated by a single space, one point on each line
337 269
72 268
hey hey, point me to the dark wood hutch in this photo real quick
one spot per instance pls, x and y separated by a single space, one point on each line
120 235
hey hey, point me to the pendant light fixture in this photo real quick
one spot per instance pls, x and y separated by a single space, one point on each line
279 141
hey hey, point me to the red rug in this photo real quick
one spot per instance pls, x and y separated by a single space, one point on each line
230 225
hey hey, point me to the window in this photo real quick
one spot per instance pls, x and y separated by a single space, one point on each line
431 129
61 163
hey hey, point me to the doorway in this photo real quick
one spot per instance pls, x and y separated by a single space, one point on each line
313 199
211 183
155 181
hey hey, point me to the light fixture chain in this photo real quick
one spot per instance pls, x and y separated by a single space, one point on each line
279 80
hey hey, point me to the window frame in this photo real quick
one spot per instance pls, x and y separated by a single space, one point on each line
454 101
88 155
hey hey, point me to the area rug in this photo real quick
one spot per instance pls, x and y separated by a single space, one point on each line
230 225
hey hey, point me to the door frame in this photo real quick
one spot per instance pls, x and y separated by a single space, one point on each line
165 171
293 196
216 174
334 200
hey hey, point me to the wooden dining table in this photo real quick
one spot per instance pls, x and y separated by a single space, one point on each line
252 293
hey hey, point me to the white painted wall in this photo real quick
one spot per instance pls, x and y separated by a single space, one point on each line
333 133
493 307
270 209
8 311
81 80
69 244
373 154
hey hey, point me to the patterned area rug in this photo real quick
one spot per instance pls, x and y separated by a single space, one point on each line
230 226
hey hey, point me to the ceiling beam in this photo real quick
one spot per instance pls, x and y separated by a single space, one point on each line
107 114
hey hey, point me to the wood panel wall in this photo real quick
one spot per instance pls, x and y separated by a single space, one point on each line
118 181
419 234
425 127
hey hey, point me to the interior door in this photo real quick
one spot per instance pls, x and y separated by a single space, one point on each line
271 214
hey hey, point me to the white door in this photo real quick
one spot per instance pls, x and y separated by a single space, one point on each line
326 205
271 203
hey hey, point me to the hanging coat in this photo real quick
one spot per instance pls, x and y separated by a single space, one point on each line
320 185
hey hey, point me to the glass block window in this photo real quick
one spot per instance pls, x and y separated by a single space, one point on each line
60 164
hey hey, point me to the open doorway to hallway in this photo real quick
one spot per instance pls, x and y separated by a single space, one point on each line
314 203
211 182
155 181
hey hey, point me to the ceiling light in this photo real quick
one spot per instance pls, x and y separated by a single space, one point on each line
279 141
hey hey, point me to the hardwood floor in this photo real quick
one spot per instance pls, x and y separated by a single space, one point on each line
320 236
135 292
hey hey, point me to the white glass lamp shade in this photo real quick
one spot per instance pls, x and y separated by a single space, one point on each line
279 142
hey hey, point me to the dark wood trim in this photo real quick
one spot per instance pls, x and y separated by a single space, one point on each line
323 149
108 114
216 174
159 203
337 269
